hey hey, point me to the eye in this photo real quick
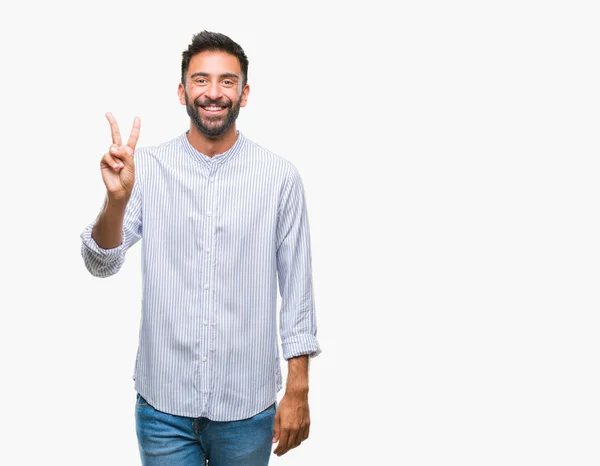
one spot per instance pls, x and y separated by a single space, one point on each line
228 82
200 81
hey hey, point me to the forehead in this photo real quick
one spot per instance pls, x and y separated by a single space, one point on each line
214 63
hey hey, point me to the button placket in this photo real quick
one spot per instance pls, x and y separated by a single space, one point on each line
209 291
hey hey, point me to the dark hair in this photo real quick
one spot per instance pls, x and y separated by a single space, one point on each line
214 41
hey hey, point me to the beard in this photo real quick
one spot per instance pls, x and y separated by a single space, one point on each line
216 125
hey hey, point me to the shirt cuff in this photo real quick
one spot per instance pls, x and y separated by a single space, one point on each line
300 345
90 243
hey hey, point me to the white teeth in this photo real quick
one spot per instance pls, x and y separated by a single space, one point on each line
213 109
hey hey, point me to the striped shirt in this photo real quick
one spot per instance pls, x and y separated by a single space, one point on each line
219 234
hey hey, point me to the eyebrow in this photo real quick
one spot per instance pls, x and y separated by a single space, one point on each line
206 75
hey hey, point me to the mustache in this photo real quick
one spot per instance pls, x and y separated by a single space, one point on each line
209 102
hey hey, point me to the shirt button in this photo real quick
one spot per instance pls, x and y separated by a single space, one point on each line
208 212
206 286
203 358
205 323
207 250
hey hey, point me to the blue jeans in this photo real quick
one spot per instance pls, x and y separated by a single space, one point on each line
165 439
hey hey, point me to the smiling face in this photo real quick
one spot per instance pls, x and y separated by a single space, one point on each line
213 92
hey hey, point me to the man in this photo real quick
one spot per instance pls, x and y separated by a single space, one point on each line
222 221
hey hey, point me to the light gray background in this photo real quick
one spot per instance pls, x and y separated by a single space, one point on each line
449 152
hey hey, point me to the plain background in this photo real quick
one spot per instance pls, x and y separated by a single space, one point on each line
449 152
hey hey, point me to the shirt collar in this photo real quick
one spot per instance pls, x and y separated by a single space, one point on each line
217 158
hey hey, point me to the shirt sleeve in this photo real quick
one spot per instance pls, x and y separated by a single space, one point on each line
298 326
106 262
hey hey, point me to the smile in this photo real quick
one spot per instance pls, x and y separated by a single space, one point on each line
212 109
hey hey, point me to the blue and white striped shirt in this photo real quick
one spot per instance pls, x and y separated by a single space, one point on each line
217 235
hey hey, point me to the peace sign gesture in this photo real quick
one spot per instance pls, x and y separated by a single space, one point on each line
117 167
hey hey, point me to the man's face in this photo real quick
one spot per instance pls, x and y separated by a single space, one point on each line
213 94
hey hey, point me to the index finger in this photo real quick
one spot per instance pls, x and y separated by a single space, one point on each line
114 129
135 133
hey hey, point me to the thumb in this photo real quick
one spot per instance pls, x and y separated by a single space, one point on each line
127 155
129 151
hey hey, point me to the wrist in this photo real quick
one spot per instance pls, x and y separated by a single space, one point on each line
297 393
297 388
117 201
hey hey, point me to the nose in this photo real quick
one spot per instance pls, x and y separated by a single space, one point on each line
213 91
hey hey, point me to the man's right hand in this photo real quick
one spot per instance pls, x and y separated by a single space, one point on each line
118 170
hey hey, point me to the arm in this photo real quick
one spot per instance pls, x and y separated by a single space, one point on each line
298 325
297 315
118 226
108 230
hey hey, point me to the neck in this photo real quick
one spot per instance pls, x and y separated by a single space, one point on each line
211 145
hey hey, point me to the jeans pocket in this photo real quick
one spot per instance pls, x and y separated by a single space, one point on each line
270 411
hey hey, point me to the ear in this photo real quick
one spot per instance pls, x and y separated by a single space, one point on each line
181 94
244 97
